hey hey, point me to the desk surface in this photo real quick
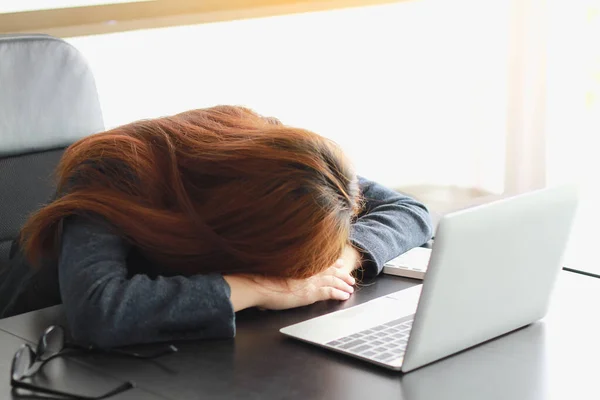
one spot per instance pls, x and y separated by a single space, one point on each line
556 358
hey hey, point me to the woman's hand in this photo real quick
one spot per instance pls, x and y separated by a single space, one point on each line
335 283
332 284
350 259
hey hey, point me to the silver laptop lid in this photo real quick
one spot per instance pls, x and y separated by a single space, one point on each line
492 270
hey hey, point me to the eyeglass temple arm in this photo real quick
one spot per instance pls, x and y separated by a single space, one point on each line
158 353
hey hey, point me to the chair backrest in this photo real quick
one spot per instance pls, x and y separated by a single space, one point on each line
48 100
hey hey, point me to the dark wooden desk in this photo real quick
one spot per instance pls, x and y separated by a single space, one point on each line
556 358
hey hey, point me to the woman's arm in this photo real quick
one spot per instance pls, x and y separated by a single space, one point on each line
106 308
389 225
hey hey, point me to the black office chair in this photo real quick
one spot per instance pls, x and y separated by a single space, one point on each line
48 100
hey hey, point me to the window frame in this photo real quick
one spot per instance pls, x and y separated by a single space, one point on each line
121 17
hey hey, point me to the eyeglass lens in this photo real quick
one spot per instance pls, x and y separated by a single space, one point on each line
51 343
22 361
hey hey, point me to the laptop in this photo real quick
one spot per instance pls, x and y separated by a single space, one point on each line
412 264
492 270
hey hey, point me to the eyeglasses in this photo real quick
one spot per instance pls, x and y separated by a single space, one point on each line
52 344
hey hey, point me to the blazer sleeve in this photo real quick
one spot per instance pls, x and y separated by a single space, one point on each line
106 308
390 224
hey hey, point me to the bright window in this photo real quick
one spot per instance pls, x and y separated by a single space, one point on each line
417 93
413 95
574 118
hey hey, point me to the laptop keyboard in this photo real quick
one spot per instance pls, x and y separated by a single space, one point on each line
383 343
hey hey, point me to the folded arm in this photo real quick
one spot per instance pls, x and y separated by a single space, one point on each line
106 308
389 225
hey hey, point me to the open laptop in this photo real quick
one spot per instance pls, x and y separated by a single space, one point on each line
492 270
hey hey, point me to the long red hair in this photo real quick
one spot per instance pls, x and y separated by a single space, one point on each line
221 189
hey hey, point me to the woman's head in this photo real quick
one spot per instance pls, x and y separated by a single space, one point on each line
221 189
